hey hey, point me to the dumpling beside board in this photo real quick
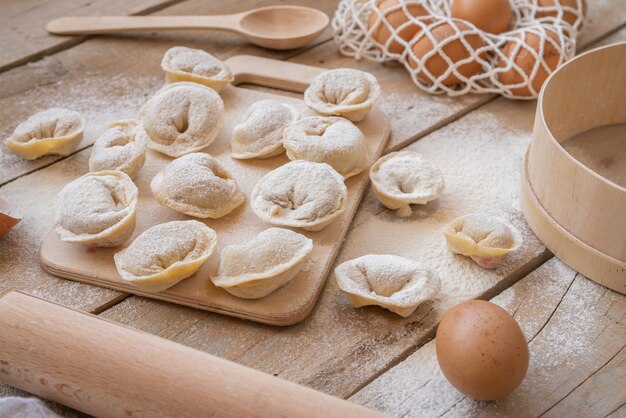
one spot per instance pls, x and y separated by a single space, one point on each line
484 238
389 281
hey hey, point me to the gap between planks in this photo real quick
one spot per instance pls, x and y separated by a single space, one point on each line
77 40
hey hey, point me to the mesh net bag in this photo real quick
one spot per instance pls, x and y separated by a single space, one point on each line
445 55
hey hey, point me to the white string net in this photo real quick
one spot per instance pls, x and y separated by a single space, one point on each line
450 56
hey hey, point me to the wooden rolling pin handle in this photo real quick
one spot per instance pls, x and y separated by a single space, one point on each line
108 370
266 72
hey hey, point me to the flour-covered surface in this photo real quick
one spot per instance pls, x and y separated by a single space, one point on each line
339 348
577 334
34 196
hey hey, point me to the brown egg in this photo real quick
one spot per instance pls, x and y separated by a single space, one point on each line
567 16
526 61
493 16
481 350
396 19
455 50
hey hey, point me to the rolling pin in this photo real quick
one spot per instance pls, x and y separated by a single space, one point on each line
108 370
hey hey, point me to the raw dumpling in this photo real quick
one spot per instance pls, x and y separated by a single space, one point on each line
484 238
188 64
344 92
258 267
300 194
121 147
97 209
182 118
53 131
260 135
326 139
392 282
197 185
166 254
404 178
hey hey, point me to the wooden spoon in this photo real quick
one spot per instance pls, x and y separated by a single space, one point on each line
274 27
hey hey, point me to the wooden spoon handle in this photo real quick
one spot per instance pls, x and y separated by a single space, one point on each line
266 72
85 25
108 370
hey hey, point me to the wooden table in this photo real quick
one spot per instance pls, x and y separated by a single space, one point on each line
576 328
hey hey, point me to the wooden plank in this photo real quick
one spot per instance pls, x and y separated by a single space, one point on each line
108 78
577 334
23 37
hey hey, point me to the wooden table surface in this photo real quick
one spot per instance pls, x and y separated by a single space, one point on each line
576 328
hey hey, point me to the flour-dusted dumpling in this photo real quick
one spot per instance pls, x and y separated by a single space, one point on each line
327 139
197 185
404 178
344 92
484 238
165 254
188 64
300 194
97 209
53 131
121 147
182 118
260 135
392 282
258 267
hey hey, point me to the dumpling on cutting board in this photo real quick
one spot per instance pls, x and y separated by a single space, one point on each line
256 268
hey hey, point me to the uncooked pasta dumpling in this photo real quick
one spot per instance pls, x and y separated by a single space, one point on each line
300 194
327 139
97 209
121 147
165 254
484 238
400 179
389 281
260 135
344 92
188 64
197 185
258 267
182 118
53 131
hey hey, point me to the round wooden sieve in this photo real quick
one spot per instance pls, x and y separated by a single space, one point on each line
576 212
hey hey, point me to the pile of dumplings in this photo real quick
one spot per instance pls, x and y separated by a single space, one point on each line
99 209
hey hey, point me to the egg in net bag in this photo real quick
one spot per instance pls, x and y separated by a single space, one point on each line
445 55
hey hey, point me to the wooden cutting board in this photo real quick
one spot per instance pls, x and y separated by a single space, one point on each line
289 304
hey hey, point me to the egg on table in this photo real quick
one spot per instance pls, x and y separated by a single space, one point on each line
521 53
481 350
455 50
395 18
493 16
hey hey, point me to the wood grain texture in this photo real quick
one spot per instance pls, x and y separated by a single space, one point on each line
23 37
577 338
108 78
